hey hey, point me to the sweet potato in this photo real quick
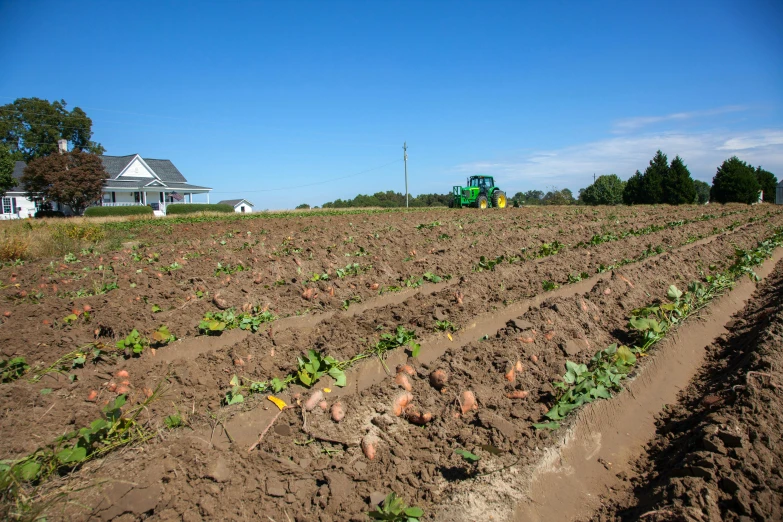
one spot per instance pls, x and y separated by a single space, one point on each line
401 402
402 380
517 394
369 445
468 401
316 397
407 368
338 411
323 405
122 389
534 359
519 367
438 379
92 395
414 417
123 373
510 375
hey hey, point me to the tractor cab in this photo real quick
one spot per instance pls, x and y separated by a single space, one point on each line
483 183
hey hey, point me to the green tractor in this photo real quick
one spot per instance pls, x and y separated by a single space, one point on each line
481 192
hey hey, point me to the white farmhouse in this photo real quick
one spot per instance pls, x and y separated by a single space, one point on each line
15 205
132 180
242 206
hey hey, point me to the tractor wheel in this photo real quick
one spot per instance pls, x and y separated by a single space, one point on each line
482 202
499 199
451 203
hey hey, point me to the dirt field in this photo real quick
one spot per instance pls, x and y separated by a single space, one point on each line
494 302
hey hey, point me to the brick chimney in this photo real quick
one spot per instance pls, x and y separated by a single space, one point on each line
62 146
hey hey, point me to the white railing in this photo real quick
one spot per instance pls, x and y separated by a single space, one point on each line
122 204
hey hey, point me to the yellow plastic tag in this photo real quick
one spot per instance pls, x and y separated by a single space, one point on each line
449 336
327 390
277 402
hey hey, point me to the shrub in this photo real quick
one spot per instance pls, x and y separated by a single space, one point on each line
192 208
134 210
606 190
48 214
77 232
13 246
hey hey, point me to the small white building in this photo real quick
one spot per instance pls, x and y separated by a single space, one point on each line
14 204
242 206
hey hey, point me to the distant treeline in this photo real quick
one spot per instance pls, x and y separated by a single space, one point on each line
391 199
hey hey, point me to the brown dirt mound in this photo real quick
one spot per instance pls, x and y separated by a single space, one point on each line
717 453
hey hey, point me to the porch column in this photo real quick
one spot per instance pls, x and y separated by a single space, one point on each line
207 198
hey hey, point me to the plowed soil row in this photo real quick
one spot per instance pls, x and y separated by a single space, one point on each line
39 295
716 454
317 471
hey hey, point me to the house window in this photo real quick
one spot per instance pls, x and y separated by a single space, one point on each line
137 197
106 197
7 206
242 208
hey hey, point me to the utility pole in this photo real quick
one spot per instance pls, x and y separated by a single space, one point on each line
593 177
405 159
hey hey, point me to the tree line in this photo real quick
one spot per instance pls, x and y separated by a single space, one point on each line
671 183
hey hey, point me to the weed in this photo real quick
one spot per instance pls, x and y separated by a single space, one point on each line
228 269
316 366
549 285
12 369
395 509
134 342
432 278
445 326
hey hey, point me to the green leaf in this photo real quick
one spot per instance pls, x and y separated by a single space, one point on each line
236 398
338 375
72 455
414 512
674 293
465 454
46 391
625 355
156 309
415 349
234 381
29 471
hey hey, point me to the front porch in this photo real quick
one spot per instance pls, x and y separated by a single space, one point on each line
157 199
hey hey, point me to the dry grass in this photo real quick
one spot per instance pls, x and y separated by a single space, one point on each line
35 239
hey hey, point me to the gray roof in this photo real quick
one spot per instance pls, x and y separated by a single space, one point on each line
17 175
234 202
140 184
164 168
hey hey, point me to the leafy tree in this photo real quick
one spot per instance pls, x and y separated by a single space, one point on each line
518 199
632 193
75 179
303 206
702 191
7 181
768 183
534 197
652 179
735 181
390 199
606 190
678 186
32 126
558 197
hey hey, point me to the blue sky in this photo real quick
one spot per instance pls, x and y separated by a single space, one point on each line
251 96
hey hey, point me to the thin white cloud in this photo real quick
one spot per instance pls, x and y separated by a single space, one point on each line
635 123
573 166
